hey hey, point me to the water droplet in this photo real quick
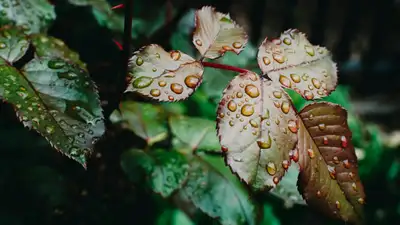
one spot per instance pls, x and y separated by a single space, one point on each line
155 92
22 94
221 115
162 83
310 50
154 69
253 123
265 144
142 82
308 95
325 140
175 55
36 120
226 48
277 94
252 90
285 107
231 123
332 172
171 98
335 159
351 175
277 104
18 106
271 169
323 85
294 155
266 61
198 42
237 159
139 61
321 126
295 77
50 129
337 204
237 45
287 41
292 125
285 164
176 88
247 110
224 148
232 106
81 135
346 164
319 194
55 64
316 83
192 81
238 116
275 180
344 142
2 45
361 201
311 153
285 81
278 58
277 121
354 186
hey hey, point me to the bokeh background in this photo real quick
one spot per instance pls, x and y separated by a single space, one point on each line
40 186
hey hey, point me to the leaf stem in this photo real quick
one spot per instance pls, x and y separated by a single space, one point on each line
224 67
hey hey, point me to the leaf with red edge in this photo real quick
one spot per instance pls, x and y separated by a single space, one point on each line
163 76
295 63
257 129
328 176
217 33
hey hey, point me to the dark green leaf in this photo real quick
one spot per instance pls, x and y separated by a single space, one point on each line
216 196
165 171
196 132
145 120
13 43
34 16
269 217
174 217
58 100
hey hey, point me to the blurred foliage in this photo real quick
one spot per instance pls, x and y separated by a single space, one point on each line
40 186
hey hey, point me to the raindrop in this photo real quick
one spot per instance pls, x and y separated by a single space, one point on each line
292 125
252 90
316 83
285 107
142 82
55 64
343 139
265 144
192 81
154 69
176 88
278 58
311 153
277 94
253 123
237 45
361 201
275 180
266 61
171 98
285 81
277 104
285 164
175 55
2 45
346 164
337 204
332 172
50 129
319 194
139 61
221 115
231 123
232 106
155 92
321 126
336 160
351 175
310 50
287 41
304 77
354 186
295 77
271 169
325 141
308 95
198 42
247 110
161 83
294 155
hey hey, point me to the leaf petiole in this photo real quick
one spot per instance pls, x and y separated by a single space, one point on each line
224 67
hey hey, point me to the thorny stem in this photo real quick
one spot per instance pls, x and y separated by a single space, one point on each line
224 67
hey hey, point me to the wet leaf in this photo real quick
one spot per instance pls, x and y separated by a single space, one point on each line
145 120
164 171
13 43
257 129
47 46
58 100
196 132
217 33
164 76
216 196
329 177
34 16
295 63
287 188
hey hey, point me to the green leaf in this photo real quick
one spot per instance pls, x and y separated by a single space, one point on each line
174 217
34 16
145 120
13 43
47 46
216 196
269 217
164 171
197 133
59 101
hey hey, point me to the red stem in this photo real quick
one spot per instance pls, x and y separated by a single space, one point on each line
224 67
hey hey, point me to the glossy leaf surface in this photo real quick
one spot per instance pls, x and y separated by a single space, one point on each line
13 43
164 76
58 100
329 177
257 129
164 171
217 33
295 63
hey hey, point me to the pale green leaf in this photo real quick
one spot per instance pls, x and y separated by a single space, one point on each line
13 43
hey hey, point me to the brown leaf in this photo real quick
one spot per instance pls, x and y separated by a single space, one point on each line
257 128
329 177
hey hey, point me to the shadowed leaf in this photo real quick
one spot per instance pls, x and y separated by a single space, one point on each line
13 43
198 133
257 129
58 100
329 177
47 46
145 120
295 63
287 188
163 76
164 171
217 33
34 16
216 196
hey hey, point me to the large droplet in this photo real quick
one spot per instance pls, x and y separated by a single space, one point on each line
287 41
142 82
265 144
308 95
139 61
361 201
176 88
285 81
332 172
232 106
237 45
311 153
266 61
55 64
252 90
292 125
285 107
310 50
277 94
253 123
271 169
162 83
192 81
316 83
50 129
295 77
175 55
278 58
321 126
155 92
344 142
198 42
247 110
285 164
